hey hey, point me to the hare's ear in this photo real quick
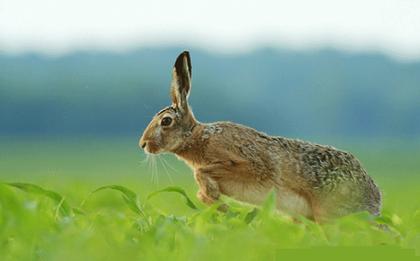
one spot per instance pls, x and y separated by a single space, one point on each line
181 81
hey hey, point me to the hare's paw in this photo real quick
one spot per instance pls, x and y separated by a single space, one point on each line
209 201
204 198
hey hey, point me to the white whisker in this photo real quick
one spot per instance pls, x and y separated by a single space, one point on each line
155 170
150 161
162 161
145 160
170 167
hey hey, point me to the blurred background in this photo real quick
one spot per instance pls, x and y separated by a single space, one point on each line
80 80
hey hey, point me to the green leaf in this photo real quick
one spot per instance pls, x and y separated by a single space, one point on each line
78 211
269 205
63 207
129 197
251 215
178 190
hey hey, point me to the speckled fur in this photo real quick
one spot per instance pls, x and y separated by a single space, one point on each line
319 182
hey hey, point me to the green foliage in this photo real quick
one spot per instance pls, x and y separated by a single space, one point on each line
32 231
64 208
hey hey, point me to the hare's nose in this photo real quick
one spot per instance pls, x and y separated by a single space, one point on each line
142 143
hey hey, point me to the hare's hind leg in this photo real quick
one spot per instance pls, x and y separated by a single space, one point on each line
293 203
329 207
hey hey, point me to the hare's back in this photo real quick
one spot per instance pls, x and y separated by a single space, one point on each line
325 165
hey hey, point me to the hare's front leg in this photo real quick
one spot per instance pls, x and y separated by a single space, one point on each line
209 191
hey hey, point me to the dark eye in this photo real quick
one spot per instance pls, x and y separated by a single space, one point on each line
166 121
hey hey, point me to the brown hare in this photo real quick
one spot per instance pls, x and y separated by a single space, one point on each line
316 181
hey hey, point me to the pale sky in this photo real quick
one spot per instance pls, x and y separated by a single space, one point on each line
60 26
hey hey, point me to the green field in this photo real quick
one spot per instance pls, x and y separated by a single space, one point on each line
118 223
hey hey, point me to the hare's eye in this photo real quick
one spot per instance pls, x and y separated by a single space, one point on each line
166 121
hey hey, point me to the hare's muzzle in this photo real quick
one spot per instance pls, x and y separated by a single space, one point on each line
148 145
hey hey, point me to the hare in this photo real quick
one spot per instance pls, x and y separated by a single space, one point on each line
316 181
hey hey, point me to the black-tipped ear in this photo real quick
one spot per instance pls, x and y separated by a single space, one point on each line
181 81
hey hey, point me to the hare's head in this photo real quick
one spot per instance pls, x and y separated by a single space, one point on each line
172 125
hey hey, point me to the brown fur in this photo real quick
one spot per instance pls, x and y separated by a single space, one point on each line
319 182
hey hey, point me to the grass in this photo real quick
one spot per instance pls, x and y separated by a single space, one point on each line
96 200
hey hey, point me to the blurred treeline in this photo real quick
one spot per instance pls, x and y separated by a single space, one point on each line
322 93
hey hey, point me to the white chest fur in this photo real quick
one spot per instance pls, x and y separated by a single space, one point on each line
287 200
